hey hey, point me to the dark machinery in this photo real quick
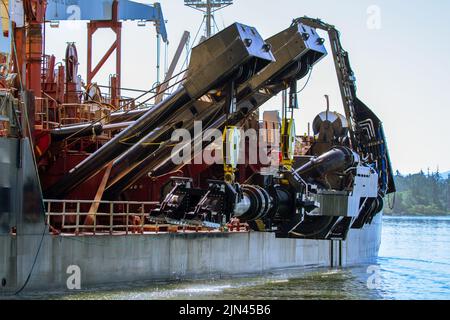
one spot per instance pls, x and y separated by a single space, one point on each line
236 52
338 183
296 50
321 195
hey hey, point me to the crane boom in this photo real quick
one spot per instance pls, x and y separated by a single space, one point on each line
365 128
102 11
346 77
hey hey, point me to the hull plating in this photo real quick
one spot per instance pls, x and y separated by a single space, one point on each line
107 260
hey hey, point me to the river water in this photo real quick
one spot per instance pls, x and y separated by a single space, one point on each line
414 263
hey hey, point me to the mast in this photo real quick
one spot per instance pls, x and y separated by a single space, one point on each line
208 7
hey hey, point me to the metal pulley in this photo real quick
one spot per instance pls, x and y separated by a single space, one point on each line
331 121
71 62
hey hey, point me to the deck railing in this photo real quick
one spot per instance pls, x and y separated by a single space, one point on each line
111 216
42 113
77 113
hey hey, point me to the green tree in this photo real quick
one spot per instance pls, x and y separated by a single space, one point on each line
421 194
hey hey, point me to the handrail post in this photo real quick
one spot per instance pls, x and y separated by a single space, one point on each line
63 217
111 220
127 218
141 229
77 230
49 206
95 222
47 114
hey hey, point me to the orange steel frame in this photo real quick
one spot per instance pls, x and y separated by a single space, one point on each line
29 46
116 27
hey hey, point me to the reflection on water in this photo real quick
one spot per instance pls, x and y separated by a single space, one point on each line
324 284
414 263
415 258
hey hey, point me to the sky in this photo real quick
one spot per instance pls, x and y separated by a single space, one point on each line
399 51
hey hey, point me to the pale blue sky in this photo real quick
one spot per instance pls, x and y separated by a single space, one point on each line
402 69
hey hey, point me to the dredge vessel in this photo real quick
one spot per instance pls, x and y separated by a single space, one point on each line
89 184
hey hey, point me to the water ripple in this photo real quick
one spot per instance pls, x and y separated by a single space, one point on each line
414 264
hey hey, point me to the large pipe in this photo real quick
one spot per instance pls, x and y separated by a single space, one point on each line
86 130
146 155
296 48
227 51
258 203
76 131
116 146
338 159
127 163
160 162
117 126
130 159
131 115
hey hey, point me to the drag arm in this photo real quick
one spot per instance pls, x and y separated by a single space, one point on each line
365 128
346 78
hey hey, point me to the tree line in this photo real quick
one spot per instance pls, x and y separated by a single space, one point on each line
420 194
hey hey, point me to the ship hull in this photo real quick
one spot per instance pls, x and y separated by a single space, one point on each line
115 260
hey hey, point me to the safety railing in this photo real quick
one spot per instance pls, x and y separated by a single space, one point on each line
126 103
75 113
42 113
70 216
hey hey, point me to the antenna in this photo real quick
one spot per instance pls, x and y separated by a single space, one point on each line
208 7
